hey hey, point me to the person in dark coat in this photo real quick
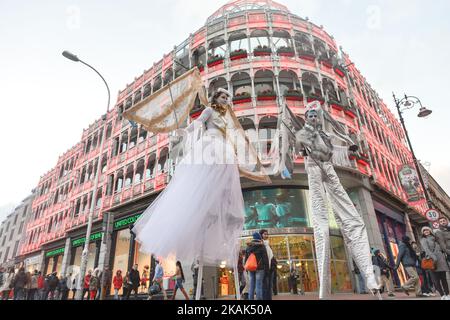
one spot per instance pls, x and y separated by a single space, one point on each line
52 285
407 257
257 247
274 272
20 282
63 288
135 280
385 272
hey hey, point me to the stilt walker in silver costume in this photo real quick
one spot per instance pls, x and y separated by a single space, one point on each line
325 188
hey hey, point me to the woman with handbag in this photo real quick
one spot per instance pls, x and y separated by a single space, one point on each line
435 261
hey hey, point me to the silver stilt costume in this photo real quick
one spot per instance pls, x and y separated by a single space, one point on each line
325 188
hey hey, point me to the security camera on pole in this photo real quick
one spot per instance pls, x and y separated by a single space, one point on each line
85 254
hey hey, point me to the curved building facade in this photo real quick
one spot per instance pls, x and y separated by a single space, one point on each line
267 57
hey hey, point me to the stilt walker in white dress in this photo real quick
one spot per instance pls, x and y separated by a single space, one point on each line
200 213
324 188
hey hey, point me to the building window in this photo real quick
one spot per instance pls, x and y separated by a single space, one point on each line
6 255
11 234
15 248
21 227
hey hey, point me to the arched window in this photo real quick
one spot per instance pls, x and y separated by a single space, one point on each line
266 132
238 43
282 42
288 82
330 91
119 181
199 57
217 48
139 171
147 90
129 103
303 43
216 84
150 171
162 163
124 140
157 83
88 145
259 40
182 56
90 172
142 134
311 85
109 131
133 137
94 141
242 84
129 176
264 82
83 175
168 76
320 48
104 163
137 96
99 198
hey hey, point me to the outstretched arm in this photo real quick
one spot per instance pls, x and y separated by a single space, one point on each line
206 114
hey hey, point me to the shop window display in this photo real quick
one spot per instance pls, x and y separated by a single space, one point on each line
59 264
143 261
341 281
279 208
123 240
301 247
275 208
296 264
49 266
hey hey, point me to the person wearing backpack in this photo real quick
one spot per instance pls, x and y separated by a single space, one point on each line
257 264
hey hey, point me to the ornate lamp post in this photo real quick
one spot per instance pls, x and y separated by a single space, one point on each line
409 102
85 254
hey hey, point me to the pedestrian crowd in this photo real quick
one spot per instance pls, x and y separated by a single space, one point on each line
426 265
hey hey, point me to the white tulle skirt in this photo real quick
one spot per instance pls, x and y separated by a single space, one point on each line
200 214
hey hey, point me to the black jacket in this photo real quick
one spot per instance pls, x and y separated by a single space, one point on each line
20 280
259 249
135 278
52 282
383 264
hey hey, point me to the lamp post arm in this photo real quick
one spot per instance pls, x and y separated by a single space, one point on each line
106 84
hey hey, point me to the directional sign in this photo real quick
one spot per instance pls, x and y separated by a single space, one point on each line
432 215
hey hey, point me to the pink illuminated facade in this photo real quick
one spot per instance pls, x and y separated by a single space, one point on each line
266 56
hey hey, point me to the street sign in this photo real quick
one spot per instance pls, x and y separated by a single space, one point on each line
432 215
435 225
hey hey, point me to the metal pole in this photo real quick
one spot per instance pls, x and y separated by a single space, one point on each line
84 255
416 164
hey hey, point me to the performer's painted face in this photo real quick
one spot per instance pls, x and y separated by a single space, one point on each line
222 99
312 117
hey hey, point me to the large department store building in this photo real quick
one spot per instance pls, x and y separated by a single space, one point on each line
266 56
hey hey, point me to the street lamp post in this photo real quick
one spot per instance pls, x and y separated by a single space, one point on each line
84 256
408 102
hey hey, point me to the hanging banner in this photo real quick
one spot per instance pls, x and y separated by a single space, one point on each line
410 182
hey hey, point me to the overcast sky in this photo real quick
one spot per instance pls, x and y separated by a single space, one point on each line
47 101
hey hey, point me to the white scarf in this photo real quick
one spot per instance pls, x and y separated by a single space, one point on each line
269 251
